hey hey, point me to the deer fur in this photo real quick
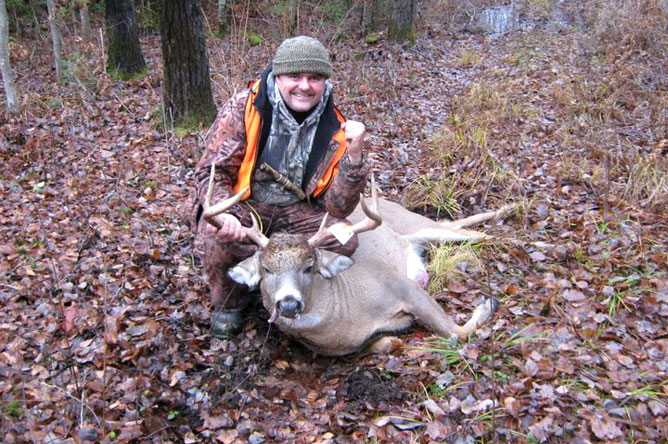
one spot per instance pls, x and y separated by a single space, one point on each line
337 305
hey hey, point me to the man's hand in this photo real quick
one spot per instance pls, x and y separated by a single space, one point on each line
230 229
355 135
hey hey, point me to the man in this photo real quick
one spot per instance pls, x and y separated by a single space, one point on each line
286 120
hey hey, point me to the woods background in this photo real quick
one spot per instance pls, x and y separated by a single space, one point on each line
104 327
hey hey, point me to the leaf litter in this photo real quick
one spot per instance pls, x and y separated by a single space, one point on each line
104 328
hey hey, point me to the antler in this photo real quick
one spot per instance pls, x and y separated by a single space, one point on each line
210 212
372 220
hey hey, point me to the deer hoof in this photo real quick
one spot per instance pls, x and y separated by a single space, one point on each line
386 344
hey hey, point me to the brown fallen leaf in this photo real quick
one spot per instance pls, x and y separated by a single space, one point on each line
111 323
573 295
70 315
511 405
603 428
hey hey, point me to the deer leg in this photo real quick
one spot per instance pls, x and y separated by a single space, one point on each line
480 315
451 231
477 218
434 235
427 311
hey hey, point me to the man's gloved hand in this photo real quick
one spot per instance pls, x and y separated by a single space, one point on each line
355 135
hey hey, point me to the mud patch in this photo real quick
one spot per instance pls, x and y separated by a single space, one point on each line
369 388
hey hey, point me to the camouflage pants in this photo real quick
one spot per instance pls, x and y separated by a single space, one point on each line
218 257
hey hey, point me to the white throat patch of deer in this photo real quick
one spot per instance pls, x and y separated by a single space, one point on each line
338 305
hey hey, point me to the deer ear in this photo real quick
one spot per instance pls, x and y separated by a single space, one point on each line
330 264
247 272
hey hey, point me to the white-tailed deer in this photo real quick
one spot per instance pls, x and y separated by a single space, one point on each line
338 305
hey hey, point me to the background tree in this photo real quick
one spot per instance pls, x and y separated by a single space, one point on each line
124 57
186 88
5 68
55 37
147 12
84 16
293 23
224 17
400 25
372 14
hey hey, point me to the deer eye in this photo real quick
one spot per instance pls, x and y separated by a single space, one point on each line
266 270
308 270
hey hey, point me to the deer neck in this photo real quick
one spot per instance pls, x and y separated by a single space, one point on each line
319 305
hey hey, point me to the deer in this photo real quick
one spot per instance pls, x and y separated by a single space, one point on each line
338 305
404 235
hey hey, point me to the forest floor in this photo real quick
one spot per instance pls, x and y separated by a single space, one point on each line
104 331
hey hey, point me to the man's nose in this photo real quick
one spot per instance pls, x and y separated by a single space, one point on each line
303 83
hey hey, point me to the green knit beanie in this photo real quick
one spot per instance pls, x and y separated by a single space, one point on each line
302 54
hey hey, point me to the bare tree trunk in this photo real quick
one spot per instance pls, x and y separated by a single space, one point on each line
294 16
124 55
55 37
5 68
400 27
224 16
187 86
85 20
372 16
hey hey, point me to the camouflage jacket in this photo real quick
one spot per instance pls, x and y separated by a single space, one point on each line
225 146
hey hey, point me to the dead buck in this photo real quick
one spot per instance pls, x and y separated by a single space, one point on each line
338 305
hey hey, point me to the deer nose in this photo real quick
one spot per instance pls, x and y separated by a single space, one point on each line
289 307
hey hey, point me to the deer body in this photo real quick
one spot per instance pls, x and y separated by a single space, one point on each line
338 305
339 317
399 241
343 306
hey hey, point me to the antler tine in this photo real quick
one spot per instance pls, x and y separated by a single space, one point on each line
210 212
255 234
372 220
321 235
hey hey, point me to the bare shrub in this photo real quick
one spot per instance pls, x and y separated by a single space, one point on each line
621 111
630 24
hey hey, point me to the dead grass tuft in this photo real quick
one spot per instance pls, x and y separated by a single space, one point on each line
439 193
475 170
646 181
469 59
629 24
449 262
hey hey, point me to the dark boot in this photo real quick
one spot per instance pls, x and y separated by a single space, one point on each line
226 323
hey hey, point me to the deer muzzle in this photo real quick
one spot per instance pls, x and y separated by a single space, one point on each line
289 307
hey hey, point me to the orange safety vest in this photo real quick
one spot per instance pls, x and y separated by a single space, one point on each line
253 123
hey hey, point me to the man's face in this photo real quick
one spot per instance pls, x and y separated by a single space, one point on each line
302 91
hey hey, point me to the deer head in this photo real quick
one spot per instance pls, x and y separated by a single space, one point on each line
286 264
